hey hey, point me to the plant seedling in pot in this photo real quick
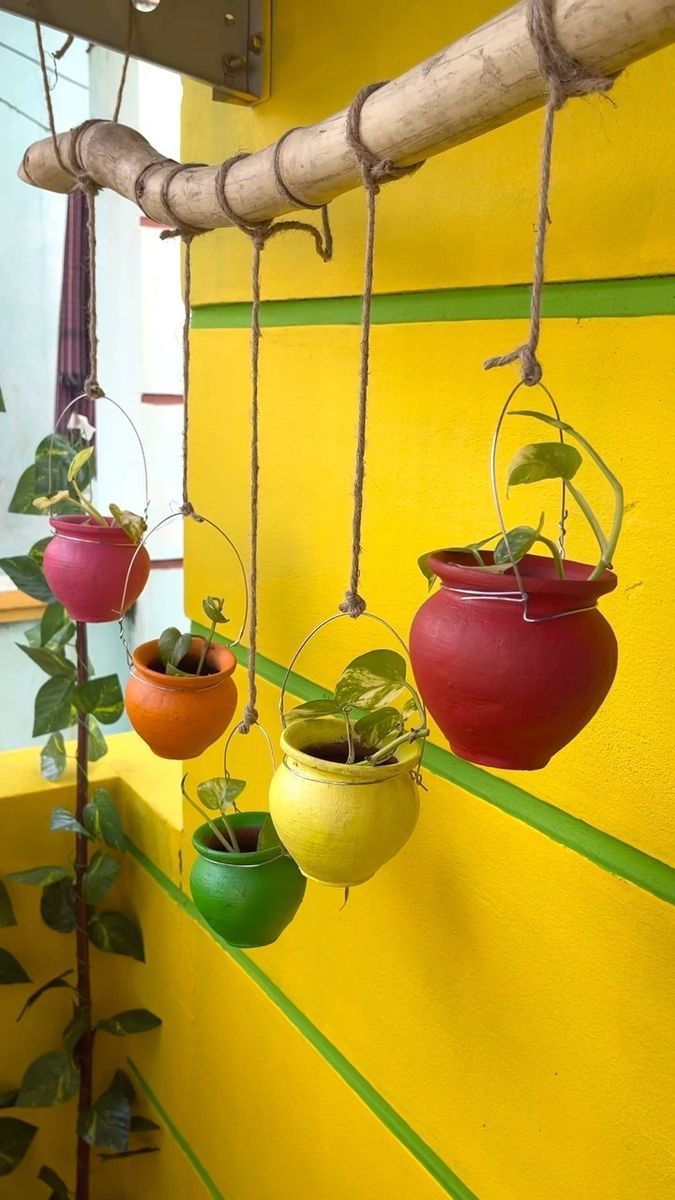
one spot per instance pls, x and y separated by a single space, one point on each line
132 524
364 699
174 646
181 696
512 655
531 464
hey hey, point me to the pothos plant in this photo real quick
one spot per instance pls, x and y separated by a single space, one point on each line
73 894
174 646
532 464
364 700
220 795
75 494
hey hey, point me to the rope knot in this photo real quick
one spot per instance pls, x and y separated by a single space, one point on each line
249 719
353 604
93 389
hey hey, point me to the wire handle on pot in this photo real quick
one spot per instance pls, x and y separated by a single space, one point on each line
495 485
317 629
160 524
71 404
238 729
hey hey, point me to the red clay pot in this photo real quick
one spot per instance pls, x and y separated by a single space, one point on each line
180 716
86 566
505 692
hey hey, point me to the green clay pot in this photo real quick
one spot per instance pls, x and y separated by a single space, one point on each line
247 898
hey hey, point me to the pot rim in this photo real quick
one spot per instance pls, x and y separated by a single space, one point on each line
407 756
226 858
218 655
457 569
81 528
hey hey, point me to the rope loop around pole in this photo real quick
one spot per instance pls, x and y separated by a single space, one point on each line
565 76
375 171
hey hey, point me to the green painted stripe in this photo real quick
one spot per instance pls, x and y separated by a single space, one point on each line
437 1168
606 851
644 297
175 1132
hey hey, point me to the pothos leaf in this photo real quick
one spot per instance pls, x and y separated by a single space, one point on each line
53 758
15 1138
133 525
57 906
133 1020
213 607
101 697
63 821
51 1079
60 981
11 970
107 1123
220 792
376 727
74 1030
518 541
116 933
371 680
26 575
544 460
102 820
98 747
78 462
167 641
40 876
55 1182
312 709
7 917
54 706
100 876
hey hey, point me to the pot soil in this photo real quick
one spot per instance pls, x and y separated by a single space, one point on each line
180 716
507 692
86 567
247 898
341 822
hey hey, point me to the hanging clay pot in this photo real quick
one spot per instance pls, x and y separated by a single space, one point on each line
509 692
341 822
247 898
179 716
86 567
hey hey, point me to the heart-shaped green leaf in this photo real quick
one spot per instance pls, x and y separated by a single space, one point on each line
59 1188
107 1123
57 906
543 460
181 648
54 708
213 607
167 641
78 462
100 876
51 1079
376 727
63 821
313 708
60 981
133 525
517 543
15 1138
371 680
102 820
7 917
74 1030
133 1020
11 970
53 758
98 747
26 574
40 876
220 792
56 628
102 698
49 661
115 933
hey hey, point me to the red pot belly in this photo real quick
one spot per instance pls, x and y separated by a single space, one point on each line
507 693
88 578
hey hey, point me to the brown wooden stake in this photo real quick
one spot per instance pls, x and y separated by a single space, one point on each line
85 1046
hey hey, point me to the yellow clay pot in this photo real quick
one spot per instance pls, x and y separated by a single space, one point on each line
341 823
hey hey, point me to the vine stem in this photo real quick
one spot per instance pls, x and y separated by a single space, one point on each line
85 1046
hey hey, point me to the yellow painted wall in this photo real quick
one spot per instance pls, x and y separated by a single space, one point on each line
507 997
490 1018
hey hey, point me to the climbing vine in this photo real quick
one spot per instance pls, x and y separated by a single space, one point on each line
74 893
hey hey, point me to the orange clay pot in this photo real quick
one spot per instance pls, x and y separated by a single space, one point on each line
179 716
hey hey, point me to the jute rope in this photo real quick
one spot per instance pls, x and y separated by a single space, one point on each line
565 76
260 234
374 171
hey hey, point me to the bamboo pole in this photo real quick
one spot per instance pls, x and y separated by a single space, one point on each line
486 79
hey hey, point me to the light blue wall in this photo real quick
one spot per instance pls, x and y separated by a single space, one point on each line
31 255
